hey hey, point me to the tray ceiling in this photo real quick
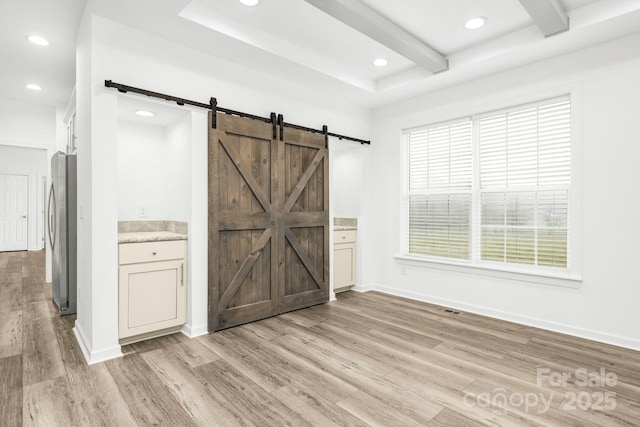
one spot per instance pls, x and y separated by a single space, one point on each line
298 42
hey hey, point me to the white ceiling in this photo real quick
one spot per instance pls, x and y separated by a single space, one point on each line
296 42
51 67
164 113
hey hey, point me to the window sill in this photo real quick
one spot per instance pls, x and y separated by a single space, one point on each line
565 281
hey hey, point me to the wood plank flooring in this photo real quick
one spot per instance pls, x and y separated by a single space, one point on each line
366 359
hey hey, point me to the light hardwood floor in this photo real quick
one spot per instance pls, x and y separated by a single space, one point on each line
366 359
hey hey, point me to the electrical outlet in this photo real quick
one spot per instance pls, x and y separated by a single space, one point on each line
403 271
143 212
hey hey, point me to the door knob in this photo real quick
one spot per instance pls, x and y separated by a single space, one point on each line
24 216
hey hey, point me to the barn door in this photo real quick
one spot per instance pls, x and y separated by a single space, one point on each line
243 270
268 220
304 239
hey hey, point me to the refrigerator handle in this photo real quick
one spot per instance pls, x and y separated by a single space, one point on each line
51 215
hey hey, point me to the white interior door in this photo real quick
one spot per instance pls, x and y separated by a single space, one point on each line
14 207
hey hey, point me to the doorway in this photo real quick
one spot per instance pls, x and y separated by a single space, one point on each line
22 171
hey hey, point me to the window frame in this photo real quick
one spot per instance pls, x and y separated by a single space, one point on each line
571 276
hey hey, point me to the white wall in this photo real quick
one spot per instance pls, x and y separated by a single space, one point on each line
33 163
26 124
101 213
605 307
83 103
197 267
178 172
143 177
347 174
154 170
154 64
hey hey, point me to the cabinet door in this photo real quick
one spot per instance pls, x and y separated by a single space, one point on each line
152 297
344 271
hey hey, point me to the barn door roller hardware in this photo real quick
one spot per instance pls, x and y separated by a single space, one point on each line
281 126
213 106
274 124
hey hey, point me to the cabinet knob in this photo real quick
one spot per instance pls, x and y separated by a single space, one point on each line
154 253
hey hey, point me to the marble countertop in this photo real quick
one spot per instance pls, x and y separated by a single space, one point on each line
345 224
344 227
150 236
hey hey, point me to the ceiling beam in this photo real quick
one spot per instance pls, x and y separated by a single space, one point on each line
548 15
362 18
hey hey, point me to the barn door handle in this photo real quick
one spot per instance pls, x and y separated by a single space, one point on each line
182 274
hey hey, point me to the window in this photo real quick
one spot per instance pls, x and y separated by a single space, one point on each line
493 189
440 190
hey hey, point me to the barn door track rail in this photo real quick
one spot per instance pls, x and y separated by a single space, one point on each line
213 106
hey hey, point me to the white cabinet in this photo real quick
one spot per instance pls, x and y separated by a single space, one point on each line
344 259
152 289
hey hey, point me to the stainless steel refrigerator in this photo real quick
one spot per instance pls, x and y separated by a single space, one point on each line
62 231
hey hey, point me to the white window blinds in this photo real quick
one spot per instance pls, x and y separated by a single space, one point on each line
501 178
440 185
525 172
527 147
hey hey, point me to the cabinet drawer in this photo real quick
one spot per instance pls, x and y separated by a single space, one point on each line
131 253
344 236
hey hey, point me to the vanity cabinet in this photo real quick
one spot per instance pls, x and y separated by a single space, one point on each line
152 289
344 259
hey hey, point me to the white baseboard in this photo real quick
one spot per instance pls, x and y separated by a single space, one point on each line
194 331
332 296
94 356
366 287
606 338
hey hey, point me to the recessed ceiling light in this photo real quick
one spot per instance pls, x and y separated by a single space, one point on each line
475 23
33 86
250 2
38 40
145 113
380 62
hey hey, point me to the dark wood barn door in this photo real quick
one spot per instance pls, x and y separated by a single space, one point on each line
243 269
304 241
268 221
